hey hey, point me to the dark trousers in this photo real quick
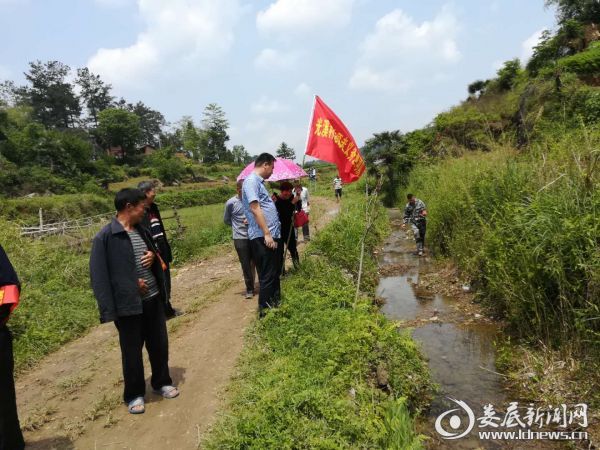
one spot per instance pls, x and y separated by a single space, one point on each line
306 231
169 311
268 273
292 247
148 328
419 230
10 430
244 252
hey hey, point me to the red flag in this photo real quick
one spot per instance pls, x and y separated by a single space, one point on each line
329 140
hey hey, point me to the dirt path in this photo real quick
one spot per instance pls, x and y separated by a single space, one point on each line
73 398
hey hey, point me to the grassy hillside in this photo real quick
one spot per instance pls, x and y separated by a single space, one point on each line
511 177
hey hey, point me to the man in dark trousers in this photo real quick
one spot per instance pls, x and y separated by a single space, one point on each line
154 224
286 206
128 282
234 217
11 437
264 231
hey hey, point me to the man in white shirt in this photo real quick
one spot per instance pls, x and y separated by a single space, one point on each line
337 185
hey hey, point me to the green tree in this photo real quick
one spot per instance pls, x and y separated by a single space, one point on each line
386 154
166 166
285 151
568 40
191 138
151 123
52 98
215 137
239 154
507 75
586 11
94 93
478 87
119 128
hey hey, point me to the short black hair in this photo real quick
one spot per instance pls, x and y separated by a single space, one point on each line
264 158
409 196
285 186
146 186
128 196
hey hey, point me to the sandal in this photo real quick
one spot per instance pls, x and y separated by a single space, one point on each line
167 391
134 406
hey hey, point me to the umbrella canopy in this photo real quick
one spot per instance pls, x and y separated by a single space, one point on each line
285 169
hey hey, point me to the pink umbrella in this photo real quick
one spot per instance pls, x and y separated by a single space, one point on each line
285 169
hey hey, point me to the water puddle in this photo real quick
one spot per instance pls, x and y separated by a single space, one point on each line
460 353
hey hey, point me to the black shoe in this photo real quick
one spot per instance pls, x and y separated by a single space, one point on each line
172 312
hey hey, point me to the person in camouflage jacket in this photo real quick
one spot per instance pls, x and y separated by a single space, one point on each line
415 214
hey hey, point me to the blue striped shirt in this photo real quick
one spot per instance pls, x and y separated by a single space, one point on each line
254 189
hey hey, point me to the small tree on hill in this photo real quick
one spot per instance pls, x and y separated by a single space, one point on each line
285 151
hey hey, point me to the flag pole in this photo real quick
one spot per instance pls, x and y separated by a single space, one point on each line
312 114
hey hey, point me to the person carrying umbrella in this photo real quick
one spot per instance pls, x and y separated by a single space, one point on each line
286 207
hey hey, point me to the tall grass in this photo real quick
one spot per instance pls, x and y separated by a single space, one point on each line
307 377
526 229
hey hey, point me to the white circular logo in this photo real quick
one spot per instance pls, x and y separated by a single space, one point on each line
455 421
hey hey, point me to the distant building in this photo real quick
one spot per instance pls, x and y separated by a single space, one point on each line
118 153
147 149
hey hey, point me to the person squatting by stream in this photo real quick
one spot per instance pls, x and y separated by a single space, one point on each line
415 213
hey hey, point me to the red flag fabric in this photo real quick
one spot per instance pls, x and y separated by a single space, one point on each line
329 140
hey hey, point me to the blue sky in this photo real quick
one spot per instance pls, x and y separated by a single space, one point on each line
380 65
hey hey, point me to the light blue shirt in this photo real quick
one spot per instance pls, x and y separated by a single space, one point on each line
234 217
254 189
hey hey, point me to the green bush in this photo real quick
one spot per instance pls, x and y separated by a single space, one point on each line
185 199
55 207
307 371
583 63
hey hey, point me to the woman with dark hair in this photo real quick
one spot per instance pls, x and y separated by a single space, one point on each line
11 437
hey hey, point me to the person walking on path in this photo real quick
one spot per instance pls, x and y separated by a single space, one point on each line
129 286
11 437
234 217
337 186
264 231
154 224
286 203
415 213
304 205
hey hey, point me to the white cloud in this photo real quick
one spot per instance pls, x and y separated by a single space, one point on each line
270 59
529 43
400 52
302 90
265 105
264 135
181 37
290 16
382 80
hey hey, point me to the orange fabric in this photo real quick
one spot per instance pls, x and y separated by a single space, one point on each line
9 295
